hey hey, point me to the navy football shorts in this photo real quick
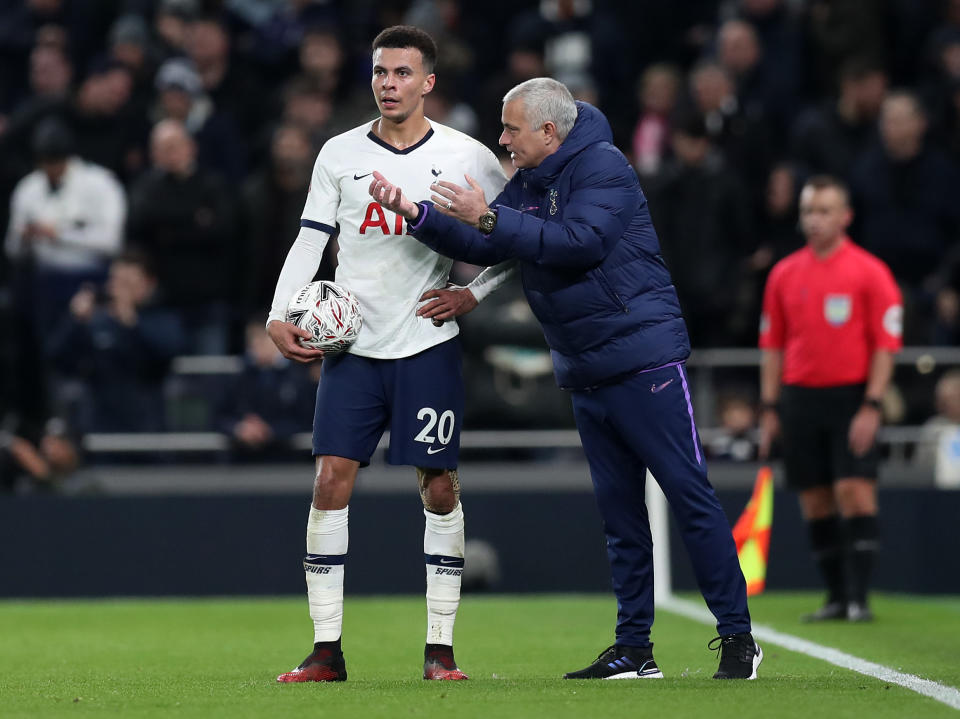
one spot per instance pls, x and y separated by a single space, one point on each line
418 398
815 436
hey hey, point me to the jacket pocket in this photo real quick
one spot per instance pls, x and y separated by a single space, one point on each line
608 288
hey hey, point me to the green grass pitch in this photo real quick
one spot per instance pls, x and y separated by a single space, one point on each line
219 658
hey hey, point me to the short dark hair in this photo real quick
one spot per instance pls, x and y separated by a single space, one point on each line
52 140
409 36
829 182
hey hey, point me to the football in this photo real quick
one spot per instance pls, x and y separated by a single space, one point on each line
329 312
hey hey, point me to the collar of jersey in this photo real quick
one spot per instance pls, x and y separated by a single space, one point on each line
396 151
840 249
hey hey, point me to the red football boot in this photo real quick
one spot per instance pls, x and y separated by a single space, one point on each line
323 665
438 663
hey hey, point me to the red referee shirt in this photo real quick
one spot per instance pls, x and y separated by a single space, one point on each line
830 315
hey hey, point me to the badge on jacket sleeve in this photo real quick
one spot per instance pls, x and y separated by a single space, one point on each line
837 309
893 320
553 202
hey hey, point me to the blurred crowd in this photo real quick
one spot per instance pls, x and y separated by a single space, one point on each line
155 156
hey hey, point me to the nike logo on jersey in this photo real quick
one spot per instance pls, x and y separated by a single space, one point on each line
432 450
444 560
654 388
360 177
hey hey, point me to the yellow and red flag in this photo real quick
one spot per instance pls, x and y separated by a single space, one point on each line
752 533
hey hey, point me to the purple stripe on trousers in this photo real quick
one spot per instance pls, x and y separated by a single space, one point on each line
663 366
693 425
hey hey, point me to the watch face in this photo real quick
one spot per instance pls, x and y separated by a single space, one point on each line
488 221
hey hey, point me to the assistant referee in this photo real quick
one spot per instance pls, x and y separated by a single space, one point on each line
832 320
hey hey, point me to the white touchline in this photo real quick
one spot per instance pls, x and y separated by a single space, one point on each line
934 690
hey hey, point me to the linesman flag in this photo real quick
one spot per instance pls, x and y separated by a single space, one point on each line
752 533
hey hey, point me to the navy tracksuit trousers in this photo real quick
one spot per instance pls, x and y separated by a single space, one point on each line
646 421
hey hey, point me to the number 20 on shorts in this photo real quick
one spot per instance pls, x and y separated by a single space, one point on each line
443 423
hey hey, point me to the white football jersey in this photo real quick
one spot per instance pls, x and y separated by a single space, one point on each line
378 262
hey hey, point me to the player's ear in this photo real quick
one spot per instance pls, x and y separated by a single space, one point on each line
428 83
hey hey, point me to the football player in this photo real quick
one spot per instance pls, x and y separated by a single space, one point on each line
403 372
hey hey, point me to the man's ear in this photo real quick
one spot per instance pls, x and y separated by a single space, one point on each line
550 133
848 219
428 83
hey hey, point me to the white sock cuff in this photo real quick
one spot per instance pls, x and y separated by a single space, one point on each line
445 523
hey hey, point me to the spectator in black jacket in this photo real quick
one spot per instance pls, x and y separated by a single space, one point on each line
742 133
829 138
905 190
119 346
184 217
701 211
110 129
180 97
766 84
235 90
272 205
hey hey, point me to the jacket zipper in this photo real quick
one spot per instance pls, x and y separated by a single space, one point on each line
609 290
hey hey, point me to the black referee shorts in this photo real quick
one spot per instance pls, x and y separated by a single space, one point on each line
815 427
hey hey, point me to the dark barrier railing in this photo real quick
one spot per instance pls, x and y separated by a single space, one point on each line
533 542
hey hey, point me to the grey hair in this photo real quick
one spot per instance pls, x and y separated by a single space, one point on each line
546 100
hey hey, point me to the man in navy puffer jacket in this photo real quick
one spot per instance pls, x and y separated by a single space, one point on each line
576 221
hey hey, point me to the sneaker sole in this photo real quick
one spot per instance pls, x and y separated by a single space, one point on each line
301 678
637 675
454 675
434 671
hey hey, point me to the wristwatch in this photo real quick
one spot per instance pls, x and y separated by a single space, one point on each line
487 222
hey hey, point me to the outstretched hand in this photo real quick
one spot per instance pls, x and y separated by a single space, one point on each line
462 203
448 303
391 197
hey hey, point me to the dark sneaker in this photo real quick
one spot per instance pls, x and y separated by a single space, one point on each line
621 662
831 611
739 656
325 664
438 663
859 612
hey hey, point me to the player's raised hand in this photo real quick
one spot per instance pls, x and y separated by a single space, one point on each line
285 336
463 203
447 303
391 197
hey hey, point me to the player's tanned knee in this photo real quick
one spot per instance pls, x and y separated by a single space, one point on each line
438 491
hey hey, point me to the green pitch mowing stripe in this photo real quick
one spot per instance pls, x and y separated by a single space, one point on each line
219 658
